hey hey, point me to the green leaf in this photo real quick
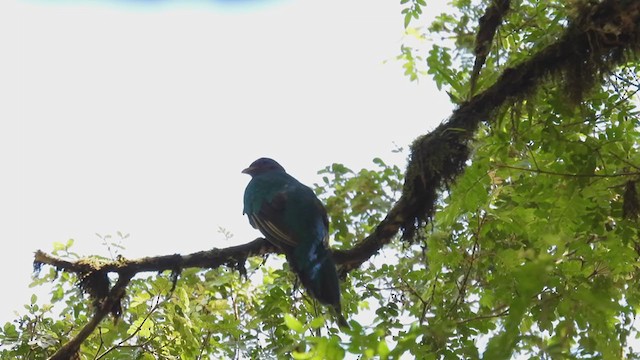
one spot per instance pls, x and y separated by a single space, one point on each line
301 355
407 19
383 349
317 323
292 323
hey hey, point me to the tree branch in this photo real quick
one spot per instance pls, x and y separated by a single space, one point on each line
70 349
603 36
487 27
233 256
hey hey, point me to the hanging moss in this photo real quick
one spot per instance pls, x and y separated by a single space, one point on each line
630 201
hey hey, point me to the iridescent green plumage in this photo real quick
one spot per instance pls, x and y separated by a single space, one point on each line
291 217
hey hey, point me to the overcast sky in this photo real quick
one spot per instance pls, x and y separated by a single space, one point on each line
139 118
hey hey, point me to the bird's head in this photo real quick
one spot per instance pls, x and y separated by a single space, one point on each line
263 165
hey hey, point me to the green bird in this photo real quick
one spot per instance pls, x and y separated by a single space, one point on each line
291 217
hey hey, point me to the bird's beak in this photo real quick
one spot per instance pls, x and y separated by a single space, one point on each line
247 170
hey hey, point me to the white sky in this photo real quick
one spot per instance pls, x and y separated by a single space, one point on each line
140 118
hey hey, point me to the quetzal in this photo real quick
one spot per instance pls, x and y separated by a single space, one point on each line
291 217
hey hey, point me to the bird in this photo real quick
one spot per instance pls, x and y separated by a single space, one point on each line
292 218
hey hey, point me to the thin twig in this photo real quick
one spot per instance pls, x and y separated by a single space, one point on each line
486 316
122 342
548 172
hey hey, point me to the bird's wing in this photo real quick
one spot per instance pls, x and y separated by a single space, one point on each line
270 221
325 220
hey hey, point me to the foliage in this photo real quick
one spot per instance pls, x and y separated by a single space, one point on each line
533 250
216 313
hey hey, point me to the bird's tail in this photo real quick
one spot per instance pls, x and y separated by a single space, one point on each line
321 280
342 322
